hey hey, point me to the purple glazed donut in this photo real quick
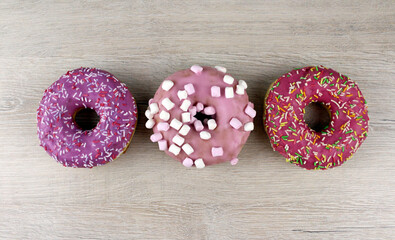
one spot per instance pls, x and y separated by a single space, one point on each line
201 116
79 89
289 134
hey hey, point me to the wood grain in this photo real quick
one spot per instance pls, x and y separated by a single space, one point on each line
145 194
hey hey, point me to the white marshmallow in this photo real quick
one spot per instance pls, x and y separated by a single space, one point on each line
150 123
186 117
229 92
249 126
212 124
228 79
221 69
182 94
187 149
167 103
175 124
205 135
167 85
148 114
243 84
165 116
199 163
184 130
177 139
174 149
240 90
154 108
185 105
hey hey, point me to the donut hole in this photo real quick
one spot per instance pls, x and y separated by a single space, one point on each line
86 118
317 116
203 117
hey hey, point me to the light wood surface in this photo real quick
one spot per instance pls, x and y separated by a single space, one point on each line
147 195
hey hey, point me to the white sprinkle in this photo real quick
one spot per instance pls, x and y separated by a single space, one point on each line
185 105
175 124
228 79
174 149
165 116
249 126
177 139
167 103
186 117
187 149
205 135
243 83
184 130
199 163
229 92
212 124
221 69
154 108
182 94
167 85
150 123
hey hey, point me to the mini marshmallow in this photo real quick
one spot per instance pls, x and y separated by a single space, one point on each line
240 90
156 137
177 139
187 149
185 105
212 124
175 124
174 149
150 101
215 91
234 161
205 135
229 92
249 126
198 125
193 110
189 88
243 84
163 126
184 130
196 69
167 85
187 162
217 151
154 108
162 145
250 111
165 116
209 110
235 123
182 94
150 123
228 79
221 69
199 106
186 117
148 114
167 103
193 119
199 163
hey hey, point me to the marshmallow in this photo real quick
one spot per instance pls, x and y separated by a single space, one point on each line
154 108
185 105
184 130
167 85
150 123
177 139
187 162
217 151
228 79
165 116
240 90
234 161
187 149
175 124
221 69
212 124
215 91
198 125
249 126
148 114
193 119
235 123
229 92
250 111
162 145
205 135
199 106
182 94
186 117
192 110
189 88
174 149
209 110
196 69
243 84
167 103
163 126
150 101
199 163
156 137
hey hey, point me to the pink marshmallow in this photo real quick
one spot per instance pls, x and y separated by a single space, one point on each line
215 91
198 125
196 69
193 119
189 88
209 111
217 151
162 145
163 126
193 111
156 137
150 101
187 162
250 111
235 123
234 161
199 106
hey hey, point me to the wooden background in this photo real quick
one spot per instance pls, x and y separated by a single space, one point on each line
145 194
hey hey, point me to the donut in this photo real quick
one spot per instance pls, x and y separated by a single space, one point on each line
201 116
284 121
86 88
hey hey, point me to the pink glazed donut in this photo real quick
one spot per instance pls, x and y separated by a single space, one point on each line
80 89
289 134
201 116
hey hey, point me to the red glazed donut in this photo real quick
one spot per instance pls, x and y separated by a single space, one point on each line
86 88
201 116
291 137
